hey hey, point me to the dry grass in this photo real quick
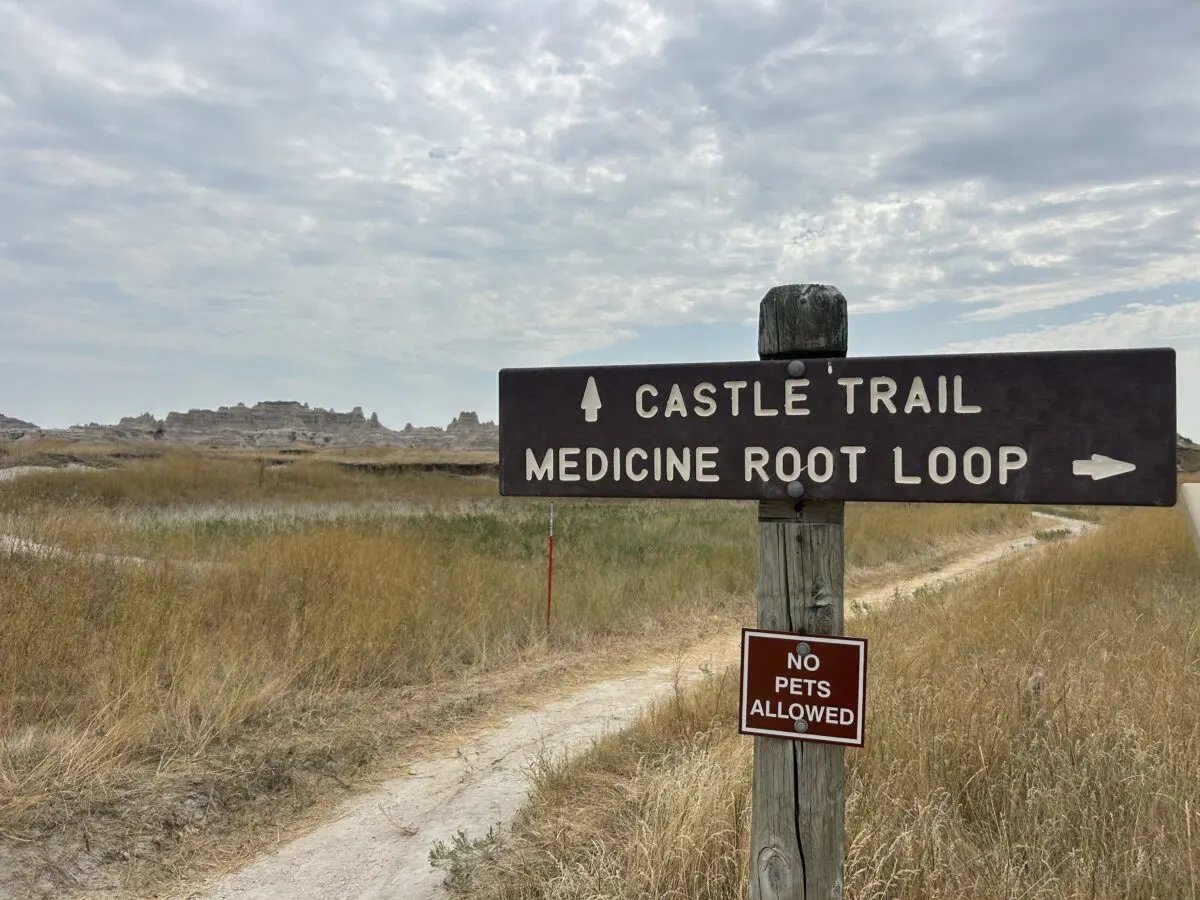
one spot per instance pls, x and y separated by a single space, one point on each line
182 477
407 455
1034 734
59 452
146 713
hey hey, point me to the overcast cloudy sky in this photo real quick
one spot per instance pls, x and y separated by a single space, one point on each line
351 202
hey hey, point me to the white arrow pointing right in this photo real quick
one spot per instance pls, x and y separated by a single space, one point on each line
1101 467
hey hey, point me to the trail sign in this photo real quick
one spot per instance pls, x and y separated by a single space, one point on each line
1071 427
803 687
803 430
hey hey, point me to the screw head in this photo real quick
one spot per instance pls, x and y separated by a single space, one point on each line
800 725
796 368
795 490
802 649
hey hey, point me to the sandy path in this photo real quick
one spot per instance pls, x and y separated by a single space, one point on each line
377 846
863 602
10 543
17 471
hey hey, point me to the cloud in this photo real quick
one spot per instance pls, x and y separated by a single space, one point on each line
496 183
1139 324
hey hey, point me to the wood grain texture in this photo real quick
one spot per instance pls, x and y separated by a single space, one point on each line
798 815
802 320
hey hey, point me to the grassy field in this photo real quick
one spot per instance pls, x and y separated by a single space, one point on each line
61 453
323 644
1034 733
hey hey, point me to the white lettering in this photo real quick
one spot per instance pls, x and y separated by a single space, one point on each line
658 463
758 407
705 466
641 391
852 453
850 384
796 464
882 391
756 461
1011 459
675 402
592 454
958 398
917 397
629 473
791 397
900 477
734 388
969 472
543 470
942 396
935 473
820 453
681 465
706 403
777 709
809 662
811 713
567 461
801 687
616 464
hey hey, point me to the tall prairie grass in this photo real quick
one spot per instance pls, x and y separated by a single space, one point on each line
1034 733
189 476
336 615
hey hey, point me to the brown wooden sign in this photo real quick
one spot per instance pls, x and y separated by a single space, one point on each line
804 687
1071 427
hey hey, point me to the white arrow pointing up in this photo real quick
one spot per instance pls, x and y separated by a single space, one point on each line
1101 467
591 400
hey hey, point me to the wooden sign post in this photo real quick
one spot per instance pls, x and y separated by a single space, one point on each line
799 796
803 430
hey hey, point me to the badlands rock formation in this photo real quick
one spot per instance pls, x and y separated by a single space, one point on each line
14 429
274 424
1188 454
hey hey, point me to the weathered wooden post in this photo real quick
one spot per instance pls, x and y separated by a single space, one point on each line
798 817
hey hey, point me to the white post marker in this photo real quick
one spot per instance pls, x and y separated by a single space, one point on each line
590 404
1101 467
1189 494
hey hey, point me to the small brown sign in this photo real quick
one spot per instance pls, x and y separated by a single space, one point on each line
804 687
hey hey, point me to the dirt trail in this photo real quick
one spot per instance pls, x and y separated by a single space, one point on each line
17 471
377 846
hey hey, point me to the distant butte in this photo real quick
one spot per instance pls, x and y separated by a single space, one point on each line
9 424
273 424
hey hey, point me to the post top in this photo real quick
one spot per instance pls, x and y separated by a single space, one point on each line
797 320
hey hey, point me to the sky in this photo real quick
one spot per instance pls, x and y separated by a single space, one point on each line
380 203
